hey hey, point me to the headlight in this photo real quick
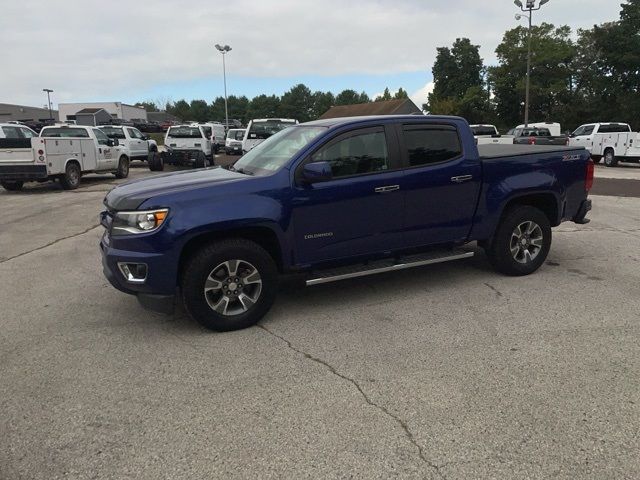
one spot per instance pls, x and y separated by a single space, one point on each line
138 222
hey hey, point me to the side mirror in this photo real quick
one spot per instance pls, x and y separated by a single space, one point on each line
315 172
111 142
145 137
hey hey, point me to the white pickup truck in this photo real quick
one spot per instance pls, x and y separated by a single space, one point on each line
61 153
133 142
615 142
488 135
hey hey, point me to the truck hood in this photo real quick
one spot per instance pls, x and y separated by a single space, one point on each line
130 195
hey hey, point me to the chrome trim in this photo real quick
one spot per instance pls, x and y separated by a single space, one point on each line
461 178
130 278
400 266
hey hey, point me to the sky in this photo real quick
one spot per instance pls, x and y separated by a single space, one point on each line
163 50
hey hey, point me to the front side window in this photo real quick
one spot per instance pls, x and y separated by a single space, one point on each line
431 144
113 132
101 136
26 133
356 155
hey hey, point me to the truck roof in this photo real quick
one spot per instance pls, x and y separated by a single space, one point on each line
334 122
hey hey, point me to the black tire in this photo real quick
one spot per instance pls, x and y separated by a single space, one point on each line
202 266
610 159
12 186
72 175
155 162
500 250
153 148
211 160
201 160
123 167
596 159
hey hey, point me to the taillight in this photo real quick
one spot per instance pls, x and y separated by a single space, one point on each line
532 140
588 181
40 152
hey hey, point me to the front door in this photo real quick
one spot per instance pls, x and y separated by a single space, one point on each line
359 211
106 156
441 185
583 137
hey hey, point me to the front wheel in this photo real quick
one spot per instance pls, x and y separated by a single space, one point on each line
521 242
123 167
229 285
155 162
12 186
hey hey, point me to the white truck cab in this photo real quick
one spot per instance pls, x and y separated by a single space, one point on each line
260 129
133 142
61 153
615 142
488 135
188 144
555 129
216 133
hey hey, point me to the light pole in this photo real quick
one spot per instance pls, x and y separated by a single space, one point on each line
224 50
49 92
530 6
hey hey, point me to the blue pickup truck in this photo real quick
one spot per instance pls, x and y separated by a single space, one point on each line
336 199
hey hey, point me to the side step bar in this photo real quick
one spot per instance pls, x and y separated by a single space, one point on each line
390 265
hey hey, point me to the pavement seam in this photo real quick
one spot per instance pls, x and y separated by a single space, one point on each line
50 244
402 423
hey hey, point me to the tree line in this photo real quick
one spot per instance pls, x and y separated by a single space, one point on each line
299 103
592 78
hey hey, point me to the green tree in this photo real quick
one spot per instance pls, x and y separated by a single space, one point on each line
263 106
237 107
199 111
148 106
351 97
180 109
401 94
297 103
386 95
322 101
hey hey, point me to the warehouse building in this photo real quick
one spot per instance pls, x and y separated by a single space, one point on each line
117 110
22 113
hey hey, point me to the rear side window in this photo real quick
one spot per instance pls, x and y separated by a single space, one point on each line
11 132
614 128
431 144
358 154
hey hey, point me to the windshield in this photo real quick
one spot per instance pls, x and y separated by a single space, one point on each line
113 132
235 134
274 153
262 129
184 132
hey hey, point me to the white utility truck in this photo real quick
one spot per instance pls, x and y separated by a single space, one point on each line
260 129
135 144
61 153
216 133
615 142
488 135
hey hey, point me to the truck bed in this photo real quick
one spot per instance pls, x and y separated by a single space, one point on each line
488 152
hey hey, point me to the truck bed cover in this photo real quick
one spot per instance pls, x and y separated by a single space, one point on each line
499 151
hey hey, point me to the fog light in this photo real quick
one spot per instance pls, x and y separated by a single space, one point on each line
133 272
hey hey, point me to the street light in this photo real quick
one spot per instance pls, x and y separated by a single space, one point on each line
224 50
49 92
530 7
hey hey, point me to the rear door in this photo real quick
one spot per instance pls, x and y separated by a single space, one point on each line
441 184
139 147
359 211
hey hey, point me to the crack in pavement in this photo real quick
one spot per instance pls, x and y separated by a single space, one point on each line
4 260
495 290
402 423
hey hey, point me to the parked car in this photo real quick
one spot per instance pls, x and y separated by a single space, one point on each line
260 129
233 143
538 136
61 153
615 142
488 134
335 199
133 143
185 145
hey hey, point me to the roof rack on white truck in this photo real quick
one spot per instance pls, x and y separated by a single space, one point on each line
488 135
61 153
615 142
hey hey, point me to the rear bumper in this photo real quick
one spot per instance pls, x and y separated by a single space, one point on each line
23 173
585 207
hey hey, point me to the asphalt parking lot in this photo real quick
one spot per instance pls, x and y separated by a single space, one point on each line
446 372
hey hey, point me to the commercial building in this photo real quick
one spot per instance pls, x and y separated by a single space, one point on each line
117 110
22 113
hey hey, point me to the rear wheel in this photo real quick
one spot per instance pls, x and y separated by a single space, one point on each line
12 186
229 285
123 167
521 242
155 161
71 178
610 159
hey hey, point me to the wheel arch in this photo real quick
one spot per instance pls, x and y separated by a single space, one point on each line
546 202
72 160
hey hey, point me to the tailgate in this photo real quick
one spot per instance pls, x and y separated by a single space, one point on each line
17 150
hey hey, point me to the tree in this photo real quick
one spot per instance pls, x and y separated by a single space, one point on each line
199 111
322 101
180 109
401 94
263 106
386 95
351 97
297 103
149 106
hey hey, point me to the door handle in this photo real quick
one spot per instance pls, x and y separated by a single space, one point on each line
461 178
387 188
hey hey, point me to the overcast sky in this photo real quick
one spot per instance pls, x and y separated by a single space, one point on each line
113 50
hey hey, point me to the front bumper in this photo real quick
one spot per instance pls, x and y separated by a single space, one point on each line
157 293
24 173
181 157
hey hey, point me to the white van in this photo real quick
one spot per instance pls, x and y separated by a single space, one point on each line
260 129
615 142
216 133
233 144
